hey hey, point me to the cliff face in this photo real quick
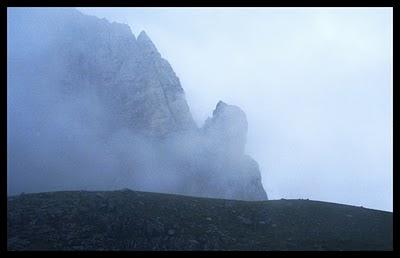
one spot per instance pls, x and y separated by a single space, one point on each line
134 89
128 74
153 99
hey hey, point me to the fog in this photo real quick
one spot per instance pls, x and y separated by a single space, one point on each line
316 86
61 136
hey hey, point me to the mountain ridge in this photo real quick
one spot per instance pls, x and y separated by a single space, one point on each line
95 86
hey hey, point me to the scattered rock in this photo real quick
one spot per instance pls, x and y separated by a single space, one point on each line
100 195
245 220
194 242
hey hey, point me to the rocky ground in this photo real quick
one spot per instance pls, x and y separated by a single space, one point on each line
130 220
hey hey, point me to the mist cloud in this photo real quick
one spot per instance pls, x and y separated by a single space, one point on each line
315 83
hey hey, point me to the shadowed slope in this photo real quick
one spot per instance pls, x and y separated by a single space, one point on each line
128 220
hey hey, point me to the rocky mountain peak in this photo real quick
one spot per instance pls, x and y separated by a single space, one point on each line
121 27
128 98
143 36
147 46
228 126
221 104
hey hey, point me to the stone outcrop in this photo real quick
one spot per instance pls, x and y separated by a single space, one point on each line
225 133
228 129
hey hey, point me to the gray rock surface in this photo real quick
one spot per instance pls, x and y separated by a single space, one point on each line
128 75
228 129
235 174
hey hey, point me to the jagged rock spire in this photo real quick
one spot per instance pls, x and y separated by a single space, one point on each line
228 126
147 46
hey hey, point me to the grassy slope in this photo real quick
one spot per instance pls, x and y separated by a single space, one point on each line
128 220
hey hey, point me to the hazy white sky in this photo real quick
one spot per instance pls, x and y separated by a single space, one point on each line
315 83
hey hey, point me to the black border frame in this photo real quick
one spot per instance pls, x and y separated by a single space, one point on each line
395 4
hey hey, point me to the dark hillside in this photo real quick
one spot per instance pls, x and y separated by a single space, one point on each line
129 220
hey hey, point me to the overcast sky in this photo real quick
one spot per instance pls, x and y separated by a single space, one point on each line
316 85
